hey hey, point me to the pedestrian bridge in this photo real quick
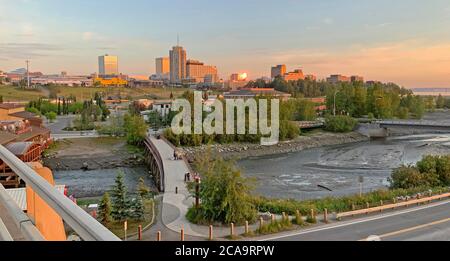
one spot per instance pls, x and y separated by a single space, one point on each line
418 124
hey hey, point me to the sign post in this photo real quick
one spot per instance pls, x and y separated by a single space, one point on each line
125 228
361 181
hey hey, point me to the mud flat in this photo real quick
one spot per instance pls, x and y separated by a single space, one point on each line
95 153
242 151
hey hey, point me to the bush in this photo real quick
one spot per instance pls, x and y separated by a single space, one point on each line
224 193
340 124
333 204
433 171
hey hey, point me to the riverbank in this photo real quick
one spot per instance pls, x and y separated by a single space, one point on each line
244 150
95 153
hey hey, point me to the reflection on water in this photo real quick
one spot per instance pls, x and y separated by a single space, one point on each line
95 183
298 175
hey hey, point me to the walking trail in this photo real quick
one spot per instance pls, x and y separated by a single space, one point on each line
175 206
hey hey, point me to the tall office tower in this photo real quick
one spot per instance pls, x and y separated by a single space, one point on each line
162 66
197 71
177 64
108 65
279 70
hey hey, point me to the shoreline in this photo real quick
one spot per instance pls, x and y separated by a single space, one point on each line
246 150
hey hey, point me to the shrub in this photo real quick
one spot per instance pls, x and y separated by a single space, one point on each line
340 124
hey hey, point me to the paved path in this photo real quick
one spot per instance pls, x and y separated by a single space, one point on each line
175 206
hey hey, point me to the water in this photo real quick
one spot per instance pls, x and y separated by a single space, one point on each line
95 183
339 168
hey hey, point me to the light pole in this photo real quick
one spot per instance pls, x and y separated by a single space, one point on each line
334 109
28 74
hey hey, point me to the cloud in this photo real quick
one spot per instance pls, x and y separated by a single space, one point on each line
27 50
412 62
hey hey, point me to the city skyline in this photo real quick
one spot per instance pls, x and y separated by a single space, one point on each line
405 42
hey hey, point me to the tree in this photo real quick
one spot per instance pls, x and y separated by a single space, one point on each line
143 189
51 116
406 178
59 106
104 209
138 209
440 102
1 98
340 123
120 201
136 129
224 193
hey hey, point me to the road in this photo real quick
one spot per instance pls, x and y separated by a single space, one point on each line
425 223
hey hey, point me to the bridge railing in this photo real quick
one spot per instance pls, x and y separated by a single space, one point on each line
159 161
81 222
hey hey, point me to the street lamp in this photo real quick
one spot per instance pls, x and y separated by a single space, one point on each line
334 109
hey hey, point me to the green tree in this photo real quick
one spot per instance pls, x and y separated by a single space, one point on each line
138 209
120 201
224 193
104 210
1 98
136 129
51 116
406 178
440 102
340 123
143 189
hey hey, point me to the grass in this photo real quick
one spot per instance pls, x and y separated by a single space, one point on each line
83 93
118 229
335 204
11 93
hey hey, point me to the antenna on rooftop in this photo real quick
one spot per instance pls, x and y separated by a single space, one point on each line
178 40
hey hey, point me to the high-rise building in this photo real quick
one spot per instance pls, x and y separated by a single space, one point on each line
356 78
108 65
279 70
337 78
177 64
294 76
196 71
163 67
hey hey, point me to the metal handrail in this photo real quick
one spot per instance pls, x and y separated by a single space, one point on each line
159 161
81 222
4 234
22 221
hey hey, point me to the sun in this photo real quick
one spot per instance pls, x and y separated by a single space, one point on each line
243 76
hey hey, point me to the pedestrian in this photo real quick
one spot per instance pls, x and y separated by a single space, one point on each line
175 155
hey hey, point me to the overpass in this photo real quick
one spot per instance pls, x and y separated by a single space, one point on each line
16 225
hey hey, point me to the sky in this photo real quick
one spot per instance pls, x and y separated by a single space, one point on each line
402 41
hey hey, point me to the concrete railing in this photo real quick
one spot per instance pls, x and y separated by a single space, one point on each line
159 161
392 206
81 222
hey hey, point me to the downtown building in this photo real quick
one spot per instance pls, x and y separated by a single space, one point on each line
278 71
178 70
198 72
162 68
108 65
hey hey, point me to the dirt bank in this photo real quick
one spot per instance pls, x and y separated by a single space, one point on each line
242 151
96 153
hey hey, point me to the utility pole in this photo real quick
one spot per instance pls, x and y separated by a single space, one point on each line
28 74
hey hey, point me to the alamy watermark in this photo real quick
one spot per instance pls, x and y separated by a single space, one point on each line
240 113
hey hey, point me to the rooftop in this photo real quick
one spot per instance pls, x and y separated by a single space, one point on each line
10 106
